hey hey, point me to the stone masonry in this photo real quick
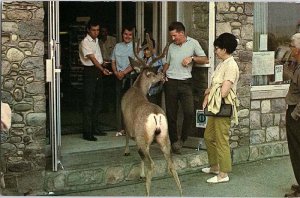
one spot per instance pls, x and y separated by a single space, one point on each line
23 87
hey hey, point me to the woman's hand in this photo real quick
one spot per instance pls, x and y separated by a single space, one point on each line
205 101
120 75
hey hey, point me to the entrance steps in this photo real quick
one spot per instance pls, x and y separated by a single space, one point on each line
105 168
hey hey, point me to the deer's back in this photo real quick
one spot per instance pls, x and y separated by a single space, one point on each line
136 110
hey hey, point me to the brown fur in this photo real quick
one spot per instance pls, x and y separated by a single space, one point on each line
142 121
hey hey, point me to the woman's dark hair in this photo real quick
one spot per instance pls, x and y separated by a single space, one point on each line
226 41
178 26
127 27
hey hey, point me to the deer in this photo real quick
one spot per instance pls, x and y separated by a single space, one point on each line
145 122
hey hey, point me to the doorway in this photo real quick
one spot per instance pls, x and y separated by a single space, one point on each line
150 16
72 31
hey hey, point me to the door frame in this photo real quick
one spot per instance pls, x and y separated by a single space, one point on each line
53 79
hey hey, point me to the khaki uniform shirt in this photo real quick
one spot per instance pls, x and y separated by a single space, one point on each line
107 47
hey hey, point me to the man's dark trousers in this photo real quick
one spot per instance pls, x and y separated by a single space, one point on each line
293 137
179 90
92 90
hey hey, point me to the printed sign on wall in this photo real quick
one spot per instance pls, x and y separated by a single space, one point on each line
201 119
263 63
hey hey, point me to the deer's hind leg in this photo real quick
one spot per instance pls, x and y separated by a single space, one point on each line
165 147
148 164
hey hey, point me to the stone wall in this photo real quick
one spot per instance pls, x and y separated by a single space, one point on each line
237 18
199 31
267 124
23 87
261 130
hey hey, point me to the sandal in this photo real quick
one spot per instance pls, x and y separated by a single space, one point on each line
120 133
215 180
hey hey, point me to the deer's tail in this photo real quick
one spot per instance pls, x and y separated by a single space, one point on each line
157 119
160 124
156 126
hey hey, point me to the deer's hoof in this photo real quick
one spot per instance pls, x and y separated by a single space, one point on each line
142 178
126 154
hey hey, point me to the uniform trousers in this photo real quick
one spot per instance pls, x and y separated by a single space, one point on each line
293 138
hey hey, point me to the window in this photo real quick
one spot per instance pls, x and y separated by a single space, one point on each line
274 24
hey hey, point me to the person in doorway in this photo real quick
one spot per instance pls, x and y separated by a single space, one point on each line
123 71
107 44
91 57
293 113
178 85
155 92
216 135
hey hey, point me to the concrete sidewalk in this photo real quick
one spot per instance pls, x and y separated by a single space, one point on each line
265 178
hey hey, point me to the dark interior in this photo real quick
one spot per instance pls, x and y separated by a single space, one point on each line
72 31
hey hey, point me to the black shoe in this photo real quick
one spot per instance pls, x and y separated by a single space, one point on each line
176 148
90 138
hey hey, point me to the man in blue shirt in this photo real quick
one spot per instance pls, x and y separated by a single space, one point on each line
178 86
122 70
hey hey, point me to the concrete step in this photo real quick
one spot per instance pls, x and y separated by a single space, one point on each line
106 168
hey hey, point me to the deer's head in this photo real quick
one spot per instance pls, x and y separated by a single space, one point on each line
139 64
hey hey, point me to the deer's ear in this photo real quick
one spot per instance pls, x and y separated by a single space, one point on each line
134 64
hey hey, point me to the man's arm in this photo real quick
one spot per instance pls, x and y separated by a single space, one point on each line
165 68
98 65
200 59
197 59
127 70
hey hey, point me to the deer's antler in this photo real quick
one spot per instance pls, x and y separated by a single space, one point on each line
160 56
135 50
149 42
